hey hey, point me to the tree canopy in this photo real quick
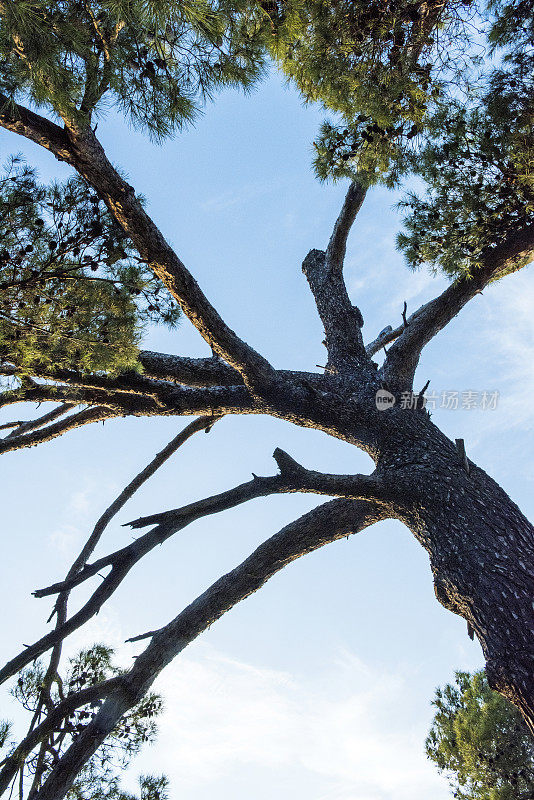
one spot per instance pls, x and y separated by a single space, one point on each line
480 741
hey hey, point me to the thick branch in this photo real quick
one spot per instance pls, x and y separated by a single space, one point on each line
33 126
324 271
83 151
172 401
189 371
322 525
403 356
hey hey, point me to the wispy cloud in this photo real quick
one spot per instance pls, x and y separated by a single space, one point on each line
348 733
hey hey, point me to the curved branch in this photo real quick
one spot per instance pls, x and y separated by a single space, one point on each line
403 356
292 478
325 524
86 417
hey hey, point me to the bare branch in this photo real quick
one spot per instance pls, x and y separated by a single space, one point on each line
199 424
337 246
355 487
292 478
385 337
325 524
32 424
427 321
89 415
324 272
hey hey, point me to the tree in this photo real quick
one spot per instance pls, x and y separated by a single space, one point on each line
98 778
480 740
404 107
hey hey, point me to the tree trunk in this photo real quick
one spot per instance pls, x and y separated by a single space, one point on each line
481 550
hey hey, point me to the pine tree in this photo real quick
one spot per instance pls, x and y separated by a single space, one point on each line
480 741
408 96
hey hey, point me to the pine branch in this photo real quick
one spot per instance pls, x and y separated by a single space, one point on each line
325 524
46 434
403 356
324 272
190 371
83 151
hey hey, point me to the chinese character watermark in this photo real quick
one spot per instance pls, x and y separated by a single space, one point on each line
448 399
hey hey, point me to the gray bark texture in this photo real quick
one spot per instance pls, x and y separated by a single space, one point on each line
481 547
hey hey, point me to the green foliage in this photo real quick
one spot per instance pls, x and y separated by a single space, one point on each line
100 777
73 293
157 61
478 166
379 66
480 740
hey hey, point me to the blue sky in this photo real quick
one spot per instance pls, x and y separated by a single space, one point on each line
319 685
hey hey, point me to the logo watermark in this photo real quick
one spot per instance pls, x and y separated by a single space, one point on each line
384 399
449 399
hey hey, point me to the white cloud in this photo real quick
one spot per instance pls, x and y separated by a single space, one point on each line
349 733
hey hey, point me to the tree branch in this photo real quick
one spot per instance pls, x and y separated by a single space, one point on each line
12 763
173 401
33 424
337 246
38 129
96 414
403 356
325 524
189 371
292 478
82 150
324 272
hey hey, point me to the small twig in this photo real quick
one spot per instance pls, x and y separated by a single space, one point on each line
404 310
147 635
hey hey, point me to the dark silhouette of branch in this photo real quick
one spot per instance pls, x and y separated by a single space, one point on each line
292 478
12 763
324 524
